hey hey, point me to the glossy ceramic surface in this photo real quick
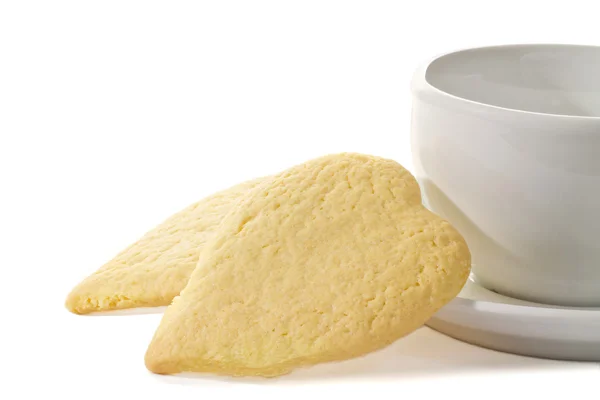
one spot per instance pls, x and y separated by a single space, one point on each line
506 146
488 319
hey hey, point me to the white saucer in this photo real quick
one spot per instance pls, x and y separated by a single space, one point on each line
488 319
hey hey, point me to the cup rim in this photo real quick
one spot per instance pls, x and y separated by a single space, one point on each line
421 83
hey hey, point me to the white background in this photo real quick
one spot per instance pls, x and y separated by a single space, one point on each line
115 114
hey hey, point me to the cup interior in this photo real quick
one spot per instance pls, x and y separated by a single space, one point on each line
549 79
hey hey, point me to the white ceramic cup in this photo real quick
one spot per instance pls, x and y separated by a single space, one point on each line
506 146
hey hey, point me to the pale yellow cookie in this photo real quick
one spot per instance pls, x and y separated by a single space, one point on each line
156 268
326 261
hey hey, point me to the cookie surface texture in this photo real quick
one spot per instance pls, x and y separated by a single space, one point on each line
156 268
326 261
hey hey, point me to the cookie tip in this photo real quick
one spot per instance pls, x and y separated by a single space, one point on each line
156 364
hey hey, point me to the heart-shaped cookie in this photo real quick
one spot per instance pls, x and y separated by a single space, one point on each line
325 261
157 267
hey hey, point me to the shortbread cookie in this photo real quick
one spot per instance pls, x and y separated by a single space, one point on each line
326 261
156 268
